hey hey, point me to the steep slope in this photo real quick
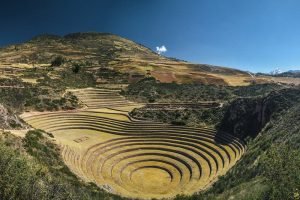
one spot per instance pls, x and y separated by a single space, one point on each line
270 167
246 117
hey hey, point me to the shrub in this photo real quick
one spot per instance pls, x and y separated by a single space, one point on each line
178 123
76 68
281 167
58 61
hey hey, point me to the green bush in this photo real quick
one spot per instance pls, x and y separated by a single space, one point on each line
58 61
178 123
281 167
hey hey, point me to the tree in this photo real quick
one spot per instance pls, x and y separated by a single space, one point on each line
75 69
58 61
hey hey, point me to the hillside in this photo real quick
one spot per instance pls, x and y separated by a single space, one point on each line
227 99
270 167
96 51
97 116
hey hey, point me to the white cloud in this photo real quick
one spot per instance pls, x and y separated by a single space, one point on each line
276 71
161 49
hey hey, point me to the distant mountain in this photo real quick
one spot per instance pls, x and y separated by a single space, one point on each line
294 71
290 73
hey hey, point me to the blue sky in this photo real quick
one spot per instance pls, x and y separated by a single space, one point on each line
254 35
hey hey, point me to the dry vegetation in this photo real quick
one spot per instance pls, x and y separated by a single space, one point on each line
132 61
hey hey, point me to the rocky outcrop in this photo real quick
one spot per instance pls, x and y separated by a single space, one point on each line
245 117
9 120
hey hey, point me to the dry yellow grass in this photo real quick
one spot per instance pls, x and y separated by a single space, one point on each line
232 80
23 65
133 158
29 80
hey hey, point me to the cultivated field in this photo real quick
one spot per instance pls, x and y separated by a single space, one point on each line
134 158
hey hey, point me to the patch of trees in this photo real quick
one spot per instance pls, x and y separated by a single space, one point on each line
149 90
34 97
111 75
189 117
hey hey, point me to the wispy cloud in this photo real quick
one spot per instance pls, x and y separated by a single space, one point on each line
161 49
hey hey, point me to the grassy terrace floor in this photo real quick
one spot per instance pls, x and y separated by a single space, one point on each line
134 158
